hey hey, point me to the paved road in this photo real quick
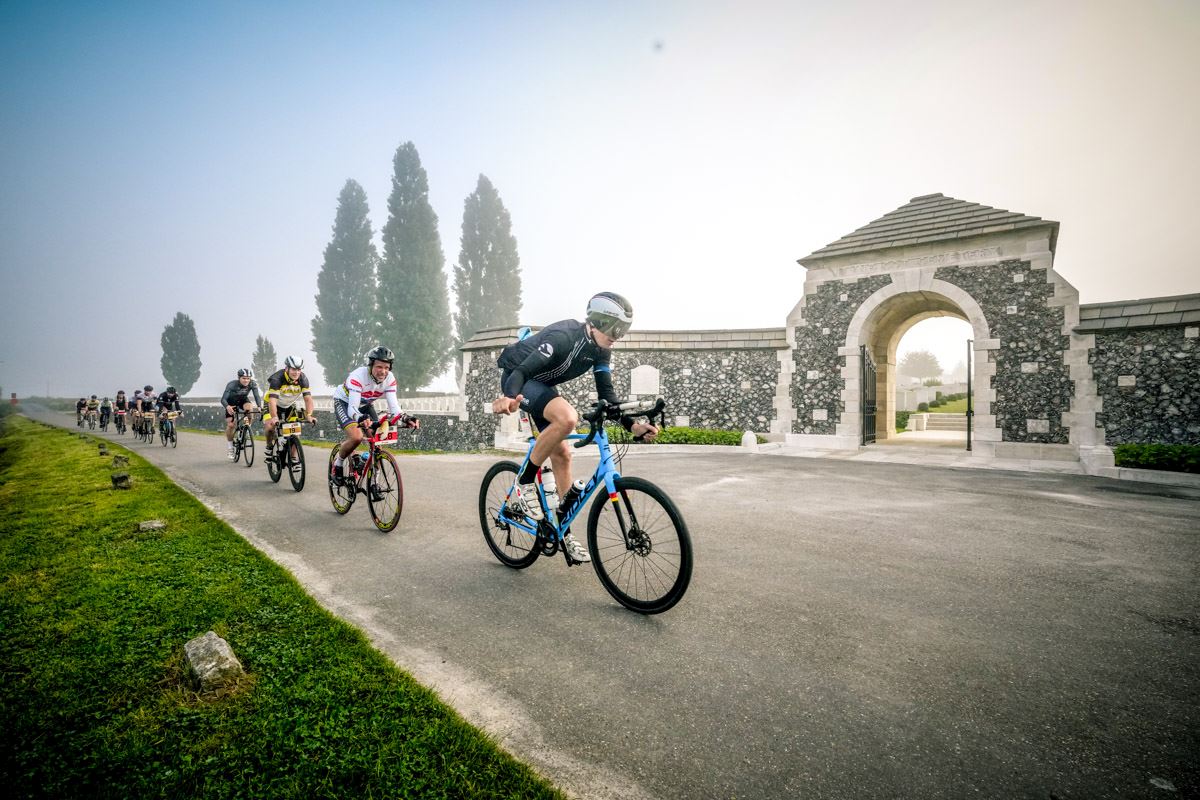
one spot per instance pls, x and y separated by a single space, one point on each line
852 630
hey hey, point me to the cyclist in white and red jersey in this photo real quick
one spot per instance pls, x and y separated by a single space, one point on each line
353 402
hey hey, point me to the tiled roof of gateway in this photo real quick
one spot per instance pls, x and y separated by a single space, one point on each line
1149 313
930 218
753 339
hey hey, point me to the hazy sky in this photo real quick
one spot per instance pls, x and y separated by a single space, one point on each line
163 157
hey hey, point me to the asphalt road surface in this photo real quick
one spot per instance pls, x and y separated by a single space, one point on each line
852 630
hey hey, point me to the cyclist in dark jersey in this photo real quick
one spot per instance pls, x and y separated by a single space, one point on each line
237 395
558 353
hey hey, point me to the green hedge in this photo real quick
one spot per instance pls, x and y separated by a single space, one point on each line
922 407
902 419
1174 457
675 435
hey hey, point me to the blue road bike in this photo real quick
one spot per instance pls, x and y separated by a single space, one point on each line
639 543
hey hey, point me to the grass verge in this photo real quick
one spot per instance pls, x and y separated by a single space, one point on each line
94 616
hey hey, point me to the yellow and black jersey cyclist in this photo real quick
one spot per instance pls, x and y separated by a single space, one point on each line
284 388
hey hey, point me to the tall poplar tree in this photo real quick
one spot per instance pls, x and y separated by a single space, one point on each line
487 279
264 362
344 326
413 311
181 353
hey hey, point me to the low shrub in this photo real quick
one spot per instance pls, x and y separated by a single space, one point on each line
1173 457
935 403
922 406
902 420
674 435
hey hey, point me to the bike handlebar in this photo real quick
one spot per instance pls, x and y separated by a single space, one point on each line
635 408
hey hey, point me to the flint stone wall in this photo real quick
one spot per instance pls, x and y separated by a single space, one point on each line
1030 332
1149 384
816 389
731 389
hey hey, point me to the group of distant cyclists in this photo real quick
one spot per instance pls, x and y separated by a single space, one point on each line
531 369
142 409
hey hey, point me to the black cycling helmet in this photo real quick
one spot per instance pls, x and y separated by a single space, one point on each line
170 390
245 372
610 314
93 397
380 353
148 388
293 363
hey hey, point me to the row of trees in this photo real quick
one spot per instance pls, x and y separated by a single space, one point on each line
400 299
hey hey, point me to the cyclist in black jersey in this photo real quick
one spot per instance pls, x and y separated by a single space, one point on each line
237 395
532 367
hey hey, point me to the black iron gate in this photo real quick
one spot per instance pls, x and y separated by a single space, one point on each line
867 394
970 393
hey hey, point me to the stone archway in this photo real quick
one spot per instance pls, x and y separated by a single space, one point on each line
880 323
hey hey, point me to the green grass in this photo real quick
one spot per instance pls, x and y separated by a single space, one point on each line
952 407
93 619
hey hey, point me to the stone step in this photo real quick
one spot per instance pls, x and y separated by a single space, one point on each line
946 422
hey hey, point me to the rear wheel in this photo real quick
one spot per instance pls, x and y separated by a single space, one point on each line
513 546
342 496
385 491
295 461
641 549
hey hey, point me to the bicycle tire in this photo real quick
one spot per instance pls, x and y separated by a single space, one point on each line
385 488
271 459
248 447
295 462
174 436
513 547
646 566
342 496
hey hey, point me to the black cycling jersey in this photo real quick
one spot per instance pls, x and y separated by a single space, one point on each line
556 354
169 403
236 395
121 404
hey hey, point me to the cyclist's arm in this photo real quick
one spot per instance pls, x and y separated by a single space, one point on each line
353 397
257 396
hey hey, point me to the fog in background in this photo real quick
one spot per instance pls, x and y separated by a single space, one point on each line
157 158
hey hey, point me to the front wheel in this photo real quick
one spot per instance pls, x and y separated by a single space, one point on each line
385 491
174 436
513 546
248 447
641 549
273 457
295 462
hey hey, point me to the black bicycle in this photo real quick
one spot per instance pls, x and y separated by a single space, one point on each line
166 428
287 451
119 421
243 437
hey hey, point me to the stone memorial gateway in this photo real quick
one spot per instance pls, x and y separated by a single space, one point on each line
1052 378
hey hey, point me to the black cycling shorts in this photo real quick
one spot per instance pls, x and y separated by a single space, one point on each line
341 412
535 396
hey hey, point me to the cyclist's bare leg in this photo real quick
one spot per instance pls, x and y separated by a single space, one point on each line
354 437
551 442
